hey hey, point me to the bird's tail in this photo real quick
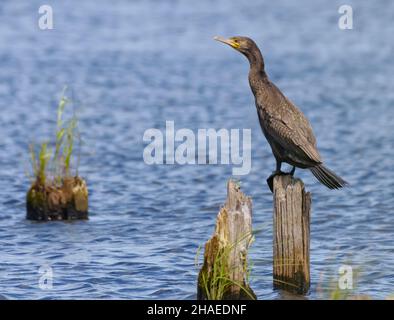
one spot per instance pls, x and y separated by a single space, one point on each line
327 177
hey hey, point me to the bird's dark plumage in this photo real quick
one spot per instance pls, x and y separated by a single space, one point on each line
286 128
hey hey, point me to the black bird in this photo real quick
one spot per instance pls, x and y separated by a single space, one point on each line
286 128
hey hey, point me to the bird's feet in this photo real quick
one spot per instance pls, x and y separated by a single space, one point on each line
270 180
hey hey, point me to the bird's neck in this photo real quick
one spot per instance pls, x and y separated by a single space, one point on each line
256 61
257 75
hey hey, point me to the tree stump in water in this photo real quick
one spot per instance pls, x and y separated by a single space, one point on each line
50 202
224 274
291 235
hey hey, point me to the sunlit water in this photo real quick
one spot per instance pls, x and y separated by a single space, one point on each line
131 66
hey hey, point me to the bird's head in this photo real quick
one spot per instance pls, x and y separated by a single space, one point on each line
244 45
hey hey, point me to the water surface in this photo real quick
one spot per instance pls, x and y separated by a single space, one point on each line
131 66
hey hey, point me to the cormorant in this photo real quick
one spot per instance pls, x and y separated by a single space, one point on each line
286 128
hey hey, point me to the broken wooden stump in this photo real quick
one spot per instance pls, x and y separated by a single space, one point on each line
292 206
68 201
224 274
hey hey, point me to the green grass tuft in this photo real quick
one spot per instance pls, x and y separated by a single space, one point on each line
61 160
217 282
43 159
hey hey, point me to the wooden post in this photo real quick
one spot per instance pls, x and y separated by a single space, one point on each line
291 235
224 274
46 202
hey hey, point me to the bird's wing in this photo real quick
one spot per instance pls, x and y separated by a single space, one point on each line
288 126
291 139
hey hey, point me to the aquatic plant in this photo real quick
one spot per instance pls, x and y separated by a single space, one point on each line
68 146
60 130
60 161
55 193
40 164
217 281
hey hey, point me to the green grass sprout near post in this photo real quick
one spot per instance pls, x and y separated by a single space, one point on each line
217 281
66 194
69 145
43 160
59 131
65 133
33 160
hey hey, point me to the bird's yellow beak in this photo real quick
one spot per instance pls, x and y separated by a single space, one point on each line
230 42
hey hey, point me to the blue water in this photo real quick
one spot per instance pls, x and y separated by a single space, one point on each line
131 66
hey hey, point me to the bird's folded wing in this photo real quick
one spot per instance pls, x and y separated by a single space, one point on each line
291 139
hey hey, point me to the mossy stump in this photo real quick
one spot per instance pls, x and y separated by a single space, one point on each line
224 274
66 202
292 205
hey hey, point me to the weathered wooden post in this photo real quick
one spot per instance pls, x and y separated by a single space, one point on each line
292 206
224 274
